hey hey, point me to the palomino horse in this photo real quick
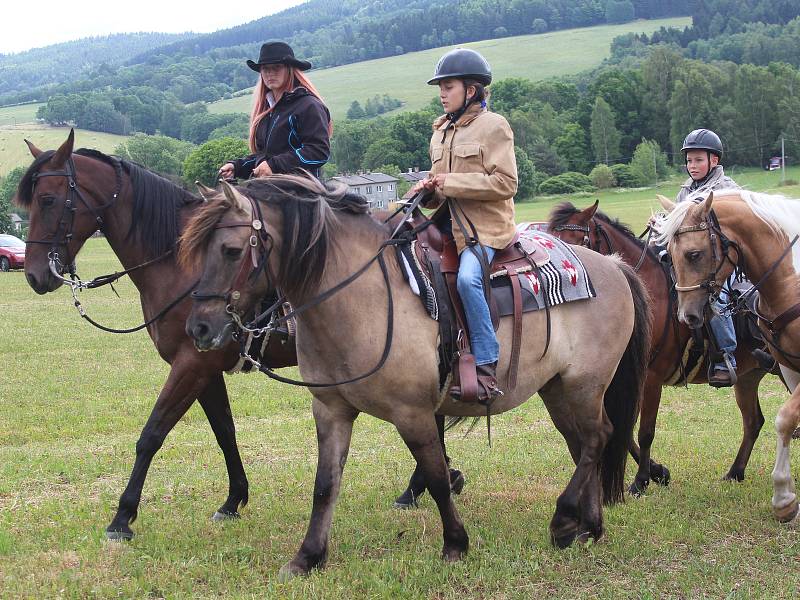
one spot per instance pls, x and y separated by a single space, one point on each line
735 230
140 214
607 236
314 239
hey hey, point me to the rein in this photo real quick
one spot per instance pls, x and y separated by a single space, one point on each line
599 231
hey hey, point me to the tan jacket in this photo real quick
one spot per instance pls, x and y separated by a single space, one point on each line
478 156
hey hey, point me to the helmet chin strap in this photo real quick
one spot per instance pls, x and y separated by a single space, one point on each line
455 116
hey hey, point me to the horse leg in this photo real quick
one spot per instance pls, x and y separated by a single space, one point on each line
215 403
746 392
334 429
578 512
419 432
416 484
179 392
784 498
651 400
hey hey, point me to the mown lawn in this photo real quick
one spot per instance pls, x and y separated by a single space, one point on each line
73 400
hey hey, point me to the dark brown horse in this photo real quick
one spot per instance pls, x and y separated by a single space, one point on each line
669 342
141 215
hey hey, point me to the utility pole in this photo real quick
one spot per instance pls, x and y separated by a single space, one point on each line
783 162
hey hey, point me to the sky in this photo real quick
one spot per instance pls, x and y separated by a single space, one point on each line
44 22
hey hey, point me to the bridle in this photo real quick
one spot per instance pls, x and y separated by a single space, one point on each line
252 264
63 233
601 235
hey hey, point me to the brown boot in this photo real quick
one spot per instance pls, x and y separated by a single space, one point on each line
487 384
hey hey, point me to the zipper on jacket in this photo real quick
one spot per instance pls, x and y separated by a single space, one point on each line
269 133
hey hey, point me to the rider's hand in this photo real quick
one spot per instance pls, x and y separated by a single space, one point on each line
262 170
226 171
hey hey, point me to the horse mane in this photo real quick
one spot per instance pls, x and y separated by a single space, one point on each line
156 200
308 210
564 210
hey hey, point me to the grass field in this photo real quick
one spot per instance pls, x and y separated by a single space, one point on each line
14 152
73 400
403 77
16 115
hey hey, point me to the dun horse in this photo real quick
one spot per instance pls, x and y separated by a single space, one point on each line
597 231
315 239
140 215
755 234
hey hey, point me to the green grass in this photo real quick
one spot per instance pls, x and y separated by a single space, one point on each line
403 77
16 115
74 400
14 152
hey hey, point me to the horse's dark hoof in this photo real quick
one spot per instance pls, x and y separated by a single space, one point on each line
225 515
638 487
453 554
734 475
457 481
408 499
660 474
564 540
119 535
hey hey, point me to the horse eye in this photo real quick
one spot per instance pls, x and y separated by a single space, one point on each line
47 201
231 252
693 255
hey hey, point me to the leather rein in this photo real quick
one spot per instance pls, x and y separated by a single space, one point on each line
63 236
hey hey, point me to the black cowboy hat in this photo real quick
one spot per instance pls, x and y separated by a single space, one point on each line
274 53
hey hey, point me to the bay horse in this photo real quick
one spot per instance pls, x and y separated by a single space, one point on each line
736 230
599 232
70 196
314 239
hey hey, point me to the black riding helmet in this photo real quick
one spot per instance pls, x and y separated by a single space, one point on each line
703 139
462 63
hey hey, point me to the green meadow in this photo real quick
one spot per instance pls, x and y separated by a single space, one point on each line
530 56
73 400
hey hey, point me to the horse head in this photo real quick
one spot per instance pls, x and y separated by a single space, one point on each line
695 242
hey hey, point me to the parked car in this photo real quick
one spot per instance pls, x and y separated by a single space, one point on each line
774 163
12 253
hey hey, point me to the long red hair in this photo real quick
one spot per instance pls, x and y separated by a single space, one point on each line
261 108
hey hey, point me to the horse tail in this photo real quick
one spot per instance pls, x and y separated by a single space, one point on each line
623 396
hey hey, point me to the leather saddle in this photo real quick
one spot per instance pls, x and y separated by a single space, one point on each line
437 256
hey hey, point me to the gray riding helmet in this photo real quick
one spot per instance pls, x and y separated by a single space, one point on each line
462 63
703 139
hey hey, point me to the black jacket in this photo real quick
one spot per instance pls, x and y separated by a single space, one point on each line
293 136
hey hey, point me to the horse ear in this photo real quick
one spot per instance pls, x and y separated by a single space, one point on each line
588 213
707 203
666 203
235 197
65 151
35 152
206 192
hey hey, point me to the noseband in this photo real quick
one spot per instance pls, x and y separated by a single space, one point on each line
599 232
63 233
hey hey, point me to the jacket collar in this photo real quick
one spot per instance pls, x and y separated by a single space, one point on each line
472 113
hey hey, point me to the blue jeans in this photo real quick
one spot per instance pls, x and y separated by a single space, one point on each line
470 287
724 332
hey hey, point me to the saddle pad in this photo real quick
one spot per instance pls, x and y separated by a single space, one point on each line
563 278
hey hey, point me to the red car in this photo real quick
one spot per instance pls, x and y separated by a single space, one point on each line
12 252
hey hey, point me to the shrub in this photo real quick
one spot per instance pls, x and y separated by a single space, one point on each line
566 183
603 177
626 177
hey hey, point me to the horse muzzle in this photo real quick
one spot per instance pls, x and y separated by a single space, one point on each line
206 337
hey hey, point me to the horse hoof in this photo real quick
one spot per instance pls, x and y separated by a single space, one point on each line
660 474
457 481
637 488
563 541
119 535
788 514
734 475
224 515
407 500
453 554
290 571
